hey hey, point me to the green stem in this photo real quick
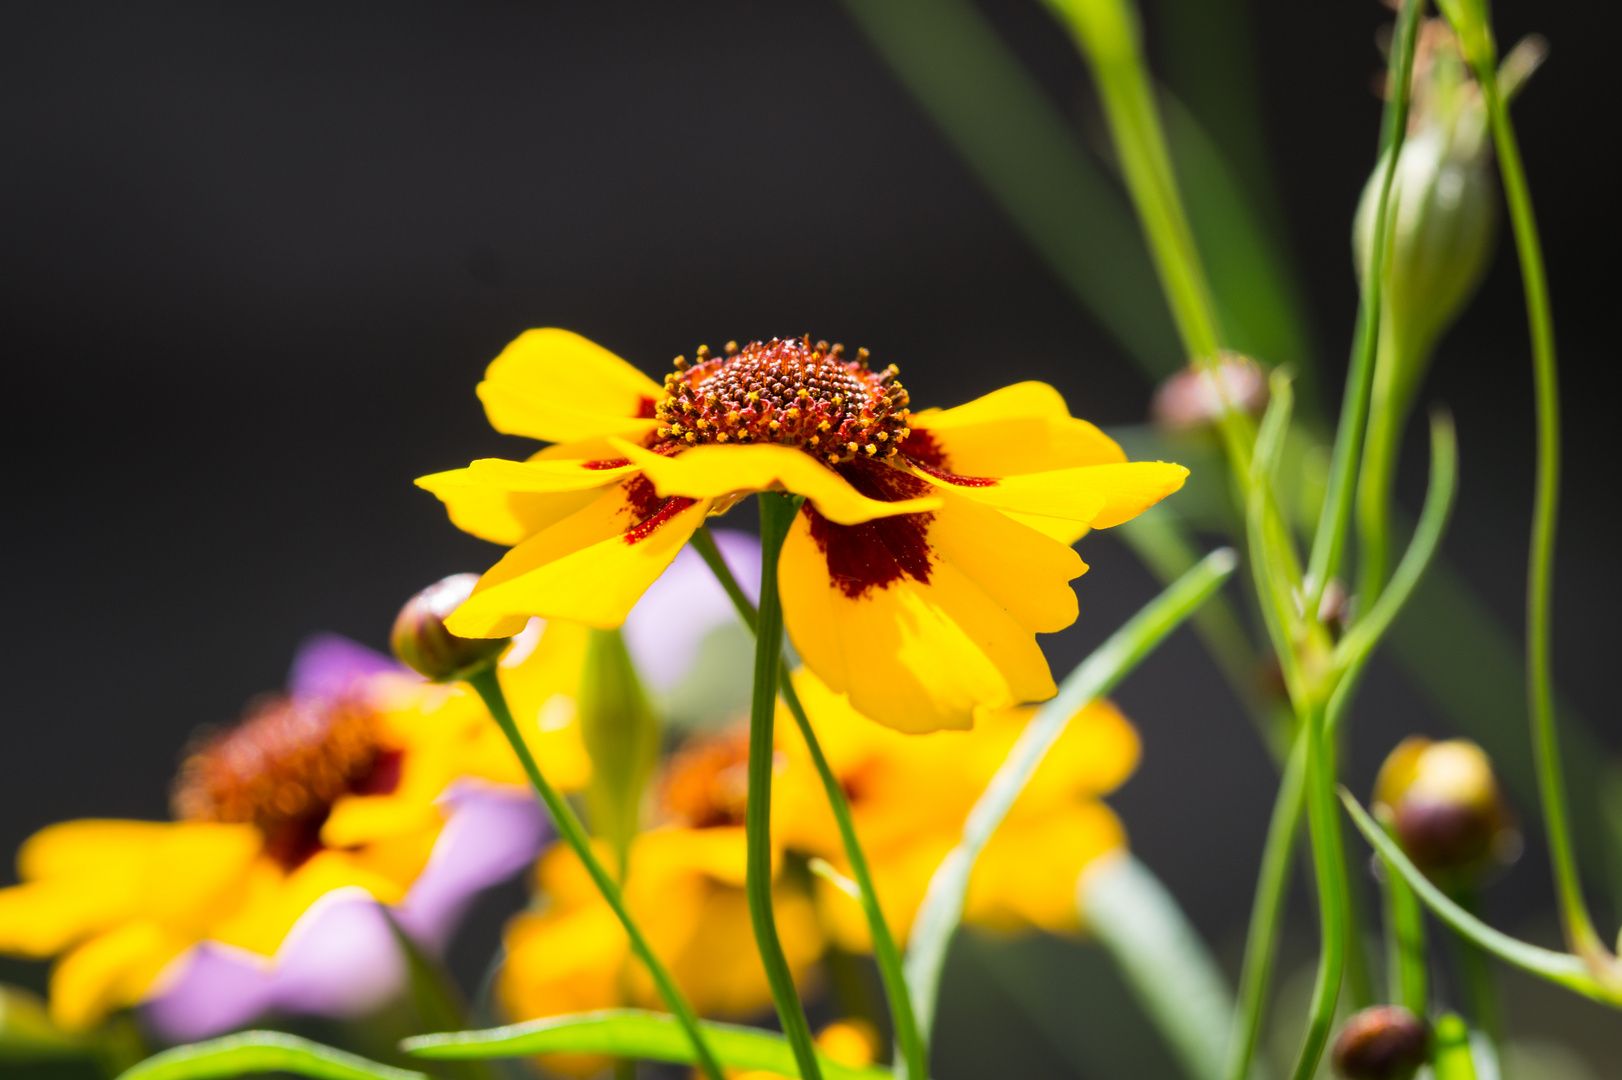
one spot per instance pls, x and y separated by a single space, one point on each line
488 686
1476 974
1406 960
1267 913
1375 480
1329 864
1579 926
776 515
885 952
1329 540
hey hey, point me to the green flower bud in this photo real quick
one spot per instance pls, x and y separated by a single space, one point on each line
1441 214
422 643
1444 805
621 735
1386 1042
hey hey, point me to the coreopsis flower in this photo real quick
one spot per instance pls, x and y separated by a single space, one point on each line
361 786
684 886
909 796
930 551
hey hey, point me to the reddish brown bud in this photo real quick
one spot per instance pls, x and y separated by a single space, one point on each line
423 644
1198 396
1444 804
1386 1042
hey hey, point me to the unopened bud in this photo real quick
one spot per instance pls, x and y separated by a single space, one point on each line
1444 804
1386 1042
1441 213
1199 395
422 643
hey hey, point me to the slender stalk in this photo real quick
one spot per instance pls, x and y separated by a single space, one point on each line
1329 540
886 954
776 514
1329 864
1267 913
1406 965
488 687
1378 472
1477 976
1579 926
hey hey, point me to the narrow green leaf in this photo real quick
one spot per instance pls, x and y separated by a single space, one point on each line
262 1052
1094 677
1557 967
628 1033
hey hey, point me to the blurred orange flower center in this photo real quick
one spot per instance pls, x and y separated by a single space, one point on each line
789 392
282 768
706 783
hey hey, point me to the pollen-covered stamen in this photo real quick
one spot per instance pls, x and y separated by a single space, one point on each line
282 768
789 392
706 784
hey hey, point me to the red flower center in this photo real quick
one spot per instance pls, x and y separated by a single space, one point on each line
282 768
789 392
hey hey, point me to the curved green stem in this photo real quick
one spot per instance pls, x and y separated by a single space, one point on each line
1477 977
1405 946
488 686
776 515
1267 913
1579 926
1329 540
886 954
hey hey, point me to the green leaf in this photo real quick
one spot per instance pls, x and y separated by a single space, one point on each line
1094 677
628 1033
1557 967
262 1052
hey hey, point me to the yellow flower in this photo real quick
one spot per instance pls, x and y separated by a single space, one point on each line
311 794
909 796
932 548
684 888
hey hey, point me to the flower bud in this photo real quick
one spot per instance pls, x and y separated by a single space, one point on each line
1441 212
422 643
621 734
1444 804
1198 396
1386 1042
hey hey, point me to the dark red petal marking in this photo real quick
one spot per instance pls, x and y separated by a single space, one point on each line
648 509
606 463
646 408
875 553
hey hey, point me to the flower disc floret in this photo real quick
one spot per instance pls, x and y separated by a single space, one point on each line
789 392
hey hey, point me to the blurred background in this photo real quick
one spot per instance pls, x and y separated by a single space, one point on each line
254 258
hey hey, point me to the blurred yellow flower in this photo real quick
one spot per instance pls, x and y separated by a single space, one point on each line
909 796
342 787
931 550
685 889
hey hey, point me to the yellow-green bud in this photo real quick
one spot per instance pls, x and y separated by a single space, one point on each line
1386 1042
1441 213
422 643
1444 805
621 735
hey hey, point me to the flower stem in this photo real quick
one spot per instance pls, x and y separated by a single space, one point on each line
1267 913
1329 862
1476 974
885 952
1579 926
1405 946
488 686
776 515
1329 539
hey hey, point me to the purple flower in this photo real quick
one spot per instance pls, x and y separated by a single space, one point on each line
664 630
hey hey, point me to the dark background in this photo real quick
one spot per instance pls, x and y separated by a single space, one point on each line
254 257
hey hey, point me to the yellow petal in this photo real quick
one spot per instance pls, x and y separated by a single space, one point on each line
584 569
913 656
109 972
1097 752
708 472
506 502
1024 571
1018 429
557 386
1026 876
275 905
1065 503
